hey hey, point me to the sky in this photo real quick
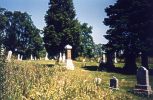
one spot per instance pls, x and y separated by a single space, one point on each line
87 11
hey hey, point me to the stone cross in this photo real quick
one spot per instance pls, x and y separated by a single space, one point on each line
46 57
142 86
115 60
114 83
9 55
69 63
104 58
63 58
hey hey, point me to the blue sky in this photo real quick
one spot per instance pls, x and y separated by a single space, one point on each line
89 11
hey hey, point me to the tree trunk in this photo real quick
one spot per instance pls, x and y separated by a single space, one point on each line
109 62
144 60
130 66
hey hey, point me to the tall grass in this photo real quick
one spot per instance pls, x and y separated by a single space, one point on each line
32 81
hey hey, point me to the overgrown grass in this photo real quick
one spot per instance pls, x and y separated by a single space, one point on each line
35 80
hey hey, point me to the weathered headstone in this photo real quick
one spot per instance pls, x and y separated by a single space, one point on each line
32 57
63 58
115 60
69 63
142 86
104 58
9 55
97 81
18 56
60 57
114 83
46 57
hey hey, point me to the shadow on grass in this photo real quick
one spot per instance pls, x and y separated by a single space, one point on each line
47 65
90 68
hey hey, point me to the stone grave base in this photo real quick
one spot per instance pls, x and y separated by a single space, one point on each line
69 64
143 89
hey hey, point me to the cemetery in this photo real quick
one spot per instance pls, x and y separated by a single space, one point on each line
62 61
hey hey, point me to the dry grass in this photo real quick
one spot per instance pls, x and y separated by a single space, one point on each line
29 80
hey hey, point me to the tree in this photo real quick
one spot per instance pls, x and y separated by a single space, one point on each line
61 27
130 24
19 33
87 44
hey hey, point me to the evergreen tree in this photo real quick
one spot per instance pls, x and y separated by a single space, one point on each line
130 23
61 27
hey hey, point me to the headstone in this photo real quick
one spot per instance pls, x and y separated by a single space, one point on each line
46 57
2 49
35 58
9 55
115 60
18 56
104 58
69 63
32 57
63 58
142 86
97 81
114 83
60 57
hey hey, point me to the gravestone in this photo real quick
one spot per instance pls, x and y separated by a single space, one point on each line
97 81
63 58
142 86
32 57
18 56
21 58
46 57
114 83
69 63
115 60
9 55
104 58
2 49
60 57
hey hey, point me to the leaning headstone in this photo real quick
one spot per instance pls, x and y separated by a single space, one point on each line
142 86
60 57
63 58
115 60
9 55
104 58
46 57
69 63
114 83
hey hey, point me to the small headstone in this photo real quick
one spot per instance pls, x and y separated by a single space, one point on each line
115 60
9 55
21 58
32 57
104 58
60 57
46 57
18 56
142 86
114 83
97 81
63 58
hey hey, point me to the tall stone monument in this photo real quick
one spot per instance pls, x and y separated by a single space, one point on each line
32 57
142 86
60 57
63 58
69 63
